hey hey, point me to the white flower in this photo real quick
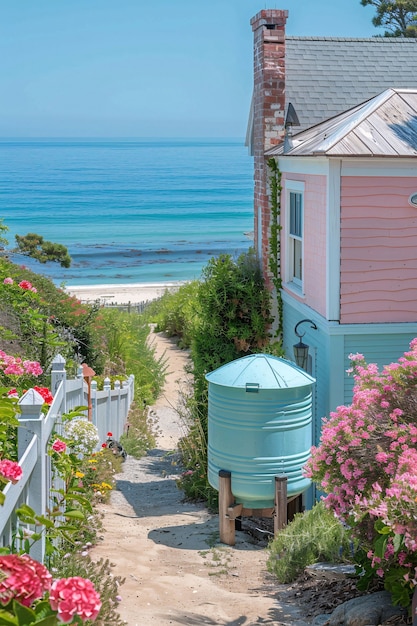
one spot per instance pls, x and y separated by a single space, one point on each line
83 435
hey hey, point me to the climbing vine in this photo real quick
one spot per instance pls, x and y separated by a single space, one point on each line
275 239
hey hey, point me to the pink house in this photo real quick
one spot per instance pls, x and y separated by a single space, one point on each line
348 209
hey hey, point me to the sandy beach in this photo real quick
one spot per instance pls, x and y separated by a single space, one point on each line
122 294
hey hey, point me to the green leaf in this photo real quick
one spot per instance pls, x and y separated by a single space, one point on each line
2 498
7 619
398 542
74 514
26 510
380 546
382 528
24 614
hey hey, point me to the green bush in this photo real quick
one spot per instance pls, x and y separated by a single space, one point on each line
313 536
175 312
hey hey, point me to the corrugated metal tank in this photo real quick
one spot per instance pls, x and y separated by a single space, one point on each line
259 426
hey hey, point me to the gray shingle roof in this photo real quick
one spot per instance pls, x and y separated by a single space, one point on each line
385 126
328 75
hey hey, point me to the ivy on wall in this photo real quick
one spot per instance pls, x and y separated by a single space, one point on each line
274 260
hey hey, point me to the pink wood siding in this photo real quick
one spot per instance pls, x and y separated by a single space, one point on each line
314 265
378 250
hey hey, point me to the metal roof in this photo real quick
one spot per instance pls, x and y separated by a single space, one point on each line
385 126
262 370
328 75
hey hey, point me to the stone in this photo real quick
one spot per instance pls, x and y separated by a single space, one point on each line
370 610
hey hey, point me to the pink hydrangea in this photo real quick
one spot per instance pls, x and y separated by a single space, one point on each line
25 284
59 446
10 470
8 281
33 367
74 597
25 579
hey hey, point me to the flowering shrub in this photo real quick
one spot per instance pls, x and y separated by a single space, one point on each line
14 366
367 464
83 436
26 583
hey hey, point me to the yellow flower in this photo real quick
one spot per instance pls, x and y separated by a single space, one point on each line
79 474
106 486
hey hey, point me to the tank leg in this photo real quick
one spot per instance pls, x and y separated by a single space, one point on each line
226 499
280 515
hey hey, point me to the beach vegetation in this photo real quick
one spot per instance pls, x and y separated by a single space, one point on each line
224 316
175 313
311 537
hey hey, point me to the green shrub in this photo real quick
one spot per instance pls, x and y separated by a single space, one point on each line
313 536
175 312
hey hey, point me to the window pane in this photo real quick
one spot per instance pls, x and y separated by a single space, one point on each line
296 215
298 259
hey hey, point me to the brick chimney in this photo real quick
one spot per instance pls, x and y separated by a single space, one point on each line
268 113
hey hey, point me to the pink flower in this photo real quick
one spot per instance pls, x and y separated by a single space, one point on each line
59 446
10 470
14 369
25 580
25 284
32 367
34 289
74 597
8 281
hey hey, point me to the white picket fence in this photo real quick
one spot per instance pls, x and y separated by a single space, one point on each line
109 409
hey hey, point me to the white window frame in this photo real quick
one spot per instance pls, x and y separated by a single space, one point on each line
294 187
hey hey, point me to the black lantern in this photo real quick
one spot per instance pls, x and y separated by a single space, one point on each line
300 348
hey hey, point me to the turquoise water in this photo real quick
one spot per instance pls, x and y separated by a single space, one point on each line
129 211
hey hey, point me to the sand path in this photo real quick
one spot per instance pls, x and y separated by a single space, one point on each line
176 570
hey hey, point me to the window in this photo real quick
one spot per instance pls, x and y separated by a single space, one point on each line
296 237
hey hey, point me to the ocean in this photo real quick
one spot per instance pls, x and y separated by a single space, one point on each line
129 211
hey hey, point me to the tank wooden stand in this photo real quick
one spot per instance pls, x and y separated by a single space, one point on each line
229 511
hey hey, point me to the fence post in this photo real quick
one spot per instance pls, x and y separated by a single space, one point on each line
107 387
94 402
32 422
118 429
58 374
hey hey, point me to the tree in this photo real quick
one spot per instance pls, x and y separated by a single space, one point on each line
398 16
35 246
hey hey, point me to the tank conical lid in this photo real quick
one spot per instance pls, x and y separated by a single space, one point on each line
269 372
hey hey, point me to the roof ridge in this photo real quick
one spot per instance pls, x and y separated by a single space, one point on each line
376 39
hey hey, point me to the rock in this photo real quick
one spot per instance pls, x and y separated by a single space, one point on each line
370 610
330 571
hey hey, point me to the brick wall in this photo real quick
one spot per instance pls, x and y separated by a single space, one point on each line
268 110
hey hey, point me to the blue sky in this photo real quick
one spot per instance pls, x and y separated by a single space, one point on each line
142 68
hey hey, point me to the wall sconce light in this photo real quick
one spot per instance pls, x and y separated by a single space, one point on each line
300 348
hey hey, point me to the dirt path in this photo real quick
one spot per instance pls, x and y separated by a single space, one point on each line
176 570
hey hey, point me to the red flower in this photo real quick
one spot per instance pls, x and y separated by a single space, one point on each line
74 596
25 284
104 445
109 434
10 470
45 393
25 580
59 446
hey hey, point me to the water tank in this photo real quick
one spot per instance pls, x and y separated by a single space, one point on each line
259 426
